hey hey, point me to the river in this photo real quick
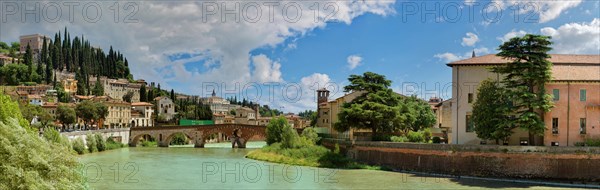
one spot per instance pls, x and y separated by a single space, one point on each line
219 167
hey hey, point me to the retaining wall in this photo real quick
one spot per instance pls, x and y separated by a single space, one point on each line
529 162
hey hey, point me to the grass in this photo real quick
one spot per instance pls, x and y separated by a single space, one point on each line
313 156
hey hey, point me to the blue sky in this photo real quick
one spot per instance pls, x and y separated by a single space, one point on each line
181 46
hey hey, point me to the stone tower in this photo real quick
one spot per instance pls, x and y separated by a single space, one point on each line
322 95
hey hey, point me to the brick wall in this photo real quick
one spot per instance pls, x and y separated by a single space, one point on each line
552 163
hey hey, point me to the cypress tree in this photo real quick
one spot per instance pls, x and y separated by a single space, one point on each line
29 62
173 95
49 63
143 95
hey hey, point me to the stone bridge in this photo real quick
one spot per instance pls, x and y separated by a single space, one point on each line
238 133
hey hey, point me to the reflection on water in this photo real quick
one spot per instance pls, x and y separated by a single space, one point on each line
219 167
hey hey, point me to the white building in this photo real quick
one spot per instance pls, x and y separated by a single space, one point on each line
141 114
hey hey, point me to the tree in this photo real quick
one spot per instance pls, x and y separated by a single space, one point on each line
173 95
376 109
525 76
98 87
275 129
10 109
128 96
143 95
49 60
29 62
81 87
66 115
415 114
32 111
490 112
90 111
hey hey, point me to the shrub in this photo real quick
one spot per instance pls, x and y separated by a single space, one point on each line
289 137
427 134
31 162
78 146
311 134
381 137
579 143
100 143
111 144
90 141
415 136
592 142
52 135
149 143
180 139
436 140
399 139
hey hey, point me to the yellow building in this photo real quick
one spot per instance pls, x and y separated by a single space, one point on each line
573 76
70 85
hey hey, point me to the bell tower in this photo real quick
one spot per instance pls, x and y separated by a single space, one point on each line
322 95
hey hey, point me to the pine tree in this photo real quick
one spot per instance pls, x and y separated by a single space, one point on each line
525 77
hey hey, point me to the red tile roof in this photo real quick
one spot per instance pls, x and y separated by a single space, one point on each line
492 59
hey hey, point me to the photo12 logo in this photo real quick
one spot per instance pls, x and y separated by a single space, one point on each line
71 11
253 172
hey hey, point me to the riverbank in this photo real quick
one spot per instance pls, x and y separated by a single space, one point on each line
313 156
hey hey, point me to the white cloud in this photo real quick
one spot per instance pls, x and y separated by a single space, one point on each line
511 34
308 98
164 29
575 38
266 70
470 40
451 57
448 57
547 10
354 61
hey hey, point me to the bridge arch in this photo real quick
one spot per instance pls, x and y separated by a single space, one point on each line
200 133
170 136
133 140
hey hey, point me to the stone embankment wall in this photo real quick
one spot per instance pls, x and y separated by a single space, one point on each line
525 162
123 133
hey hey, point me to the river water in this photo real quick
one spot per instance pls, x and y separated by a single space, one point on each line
219 167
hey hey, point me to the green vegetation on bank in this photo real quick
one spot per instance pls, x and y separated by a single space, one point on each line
33 162
287 147
95 143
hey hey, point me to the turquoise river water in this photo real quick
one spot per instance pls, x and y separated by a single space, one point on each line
219 167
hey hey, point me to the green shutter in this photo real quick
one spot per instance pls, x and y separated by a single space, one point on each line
582 95
556 94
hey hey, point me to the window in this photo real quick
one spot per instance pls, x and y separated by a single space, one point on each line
554 144
582 122
582 95
554 125
470 98
556 94
470 126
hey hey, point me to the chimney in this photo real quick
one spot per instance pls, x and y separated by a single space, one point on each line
473 55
